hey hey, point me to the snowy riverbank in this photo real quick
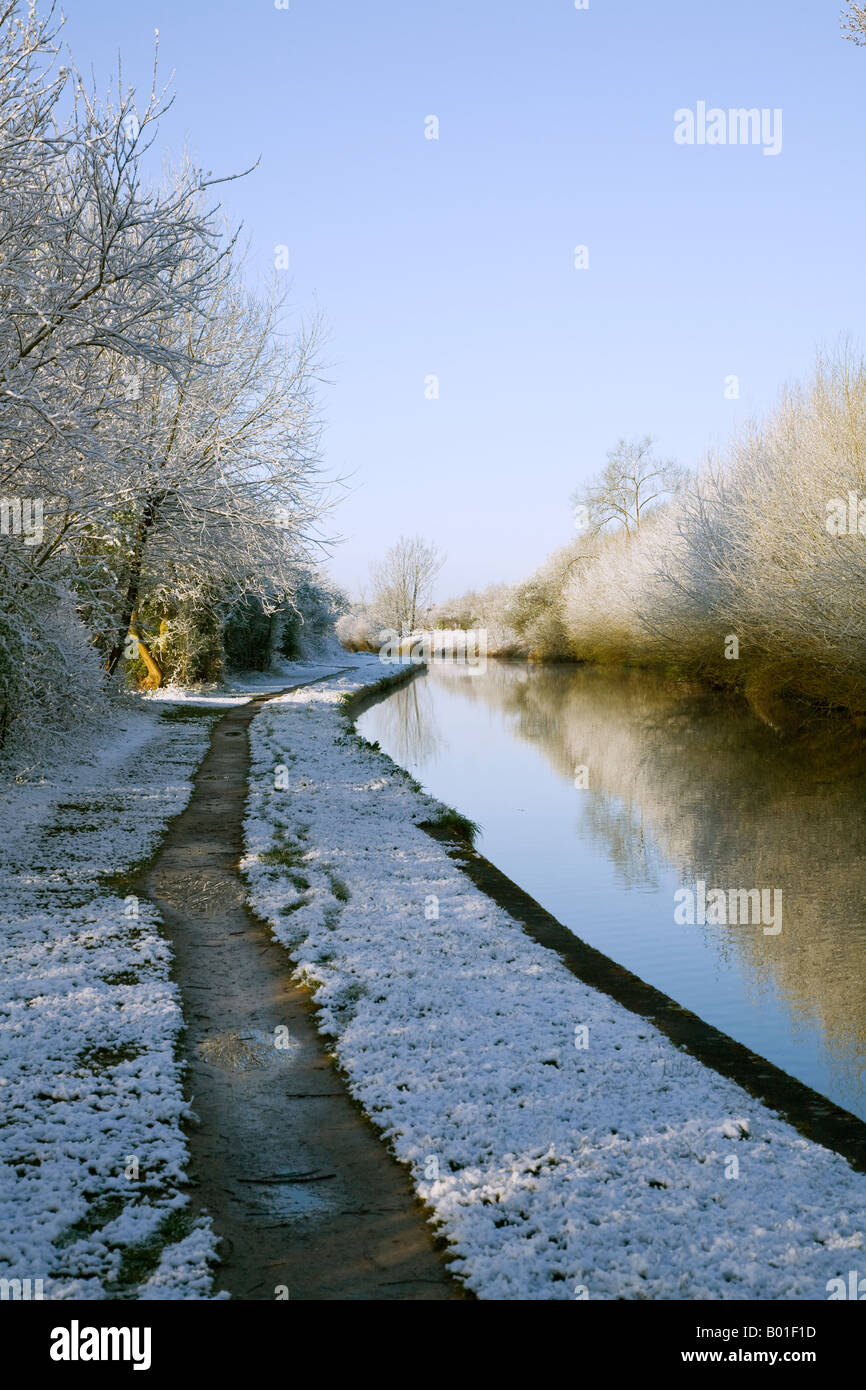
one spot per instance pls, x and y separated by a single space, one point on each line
554 1171
92 1154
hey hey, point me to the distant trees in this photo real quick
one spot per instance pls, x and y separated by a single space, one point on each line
400 597
357 630
487 610
402 583
765 545
632 482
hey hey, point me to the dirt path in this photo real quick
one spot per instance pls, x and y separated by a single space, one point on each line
300 1188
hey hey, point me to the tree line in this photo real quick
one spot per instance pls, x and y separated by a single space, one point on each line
746 573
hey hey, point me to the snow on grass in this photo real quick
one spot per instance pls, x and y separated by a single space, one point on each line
90 1083
240 688
553 1172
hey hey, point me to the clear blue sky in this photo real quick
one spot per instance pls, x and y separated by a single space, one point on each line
455 257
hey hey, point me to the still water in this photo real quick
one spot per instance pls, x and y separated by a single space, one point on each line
604 794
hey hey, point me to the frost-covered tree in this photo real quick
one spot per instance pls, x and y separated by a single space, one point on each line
854 22
154 412
632 483
221 483
402 583
489 610
95 266
91 271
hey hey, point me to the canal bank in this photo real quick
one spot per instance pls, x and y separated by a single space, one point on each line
618 800
556 1136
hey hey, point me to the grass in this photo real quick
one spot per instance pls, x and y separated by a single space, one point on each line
453 824
285 856
291 857
79 829
103 1058
293 907
98 1214
339 888
139 1261
185 714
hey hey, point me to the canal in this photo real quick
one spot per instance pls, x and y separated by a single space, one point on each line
672 829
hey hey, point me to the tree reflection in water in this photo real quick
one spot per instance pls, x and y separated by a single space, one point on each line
682 778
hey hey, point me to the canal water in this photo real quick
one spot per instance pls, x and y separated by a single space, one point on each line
625 803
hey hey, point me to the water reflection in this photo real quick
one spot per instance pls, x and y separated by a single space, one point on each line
406 725
682 785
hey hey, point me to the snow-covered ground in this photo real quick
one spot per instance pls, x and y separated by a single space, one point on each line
92 1155
92 1152
240 689
555 1171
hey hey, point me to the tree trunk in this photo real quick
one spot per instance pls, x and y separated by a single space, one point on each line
148 518
154 670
